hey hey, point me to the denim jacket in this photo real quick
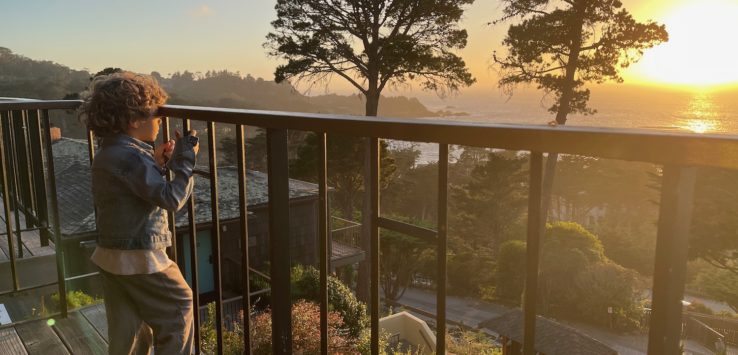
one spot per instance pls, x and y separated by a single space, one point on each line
132 194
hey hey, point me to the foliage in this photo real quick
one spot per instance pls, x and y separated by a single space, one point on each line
463 282
471 342
371 44
714 232
27 78
305 332
699 307
493 200
510 271
345 168
76 299
721 284
604 285
232 339
306 285
561 45
614 198
401 256
568 248
413 189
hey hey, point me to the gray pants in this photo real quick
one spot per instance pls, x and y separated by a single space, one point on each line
136 305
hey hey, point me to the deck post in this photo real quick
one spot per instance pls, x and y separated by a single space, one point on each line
672 243
279 240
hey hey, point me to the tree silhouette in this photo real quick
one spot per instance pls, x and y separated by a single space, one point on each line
370 44
562 45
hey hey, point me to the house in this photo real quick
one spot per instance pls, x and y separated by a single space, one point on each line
551 338
77 217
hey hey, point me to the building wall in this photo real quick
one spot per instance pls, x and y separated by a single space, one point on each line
303 241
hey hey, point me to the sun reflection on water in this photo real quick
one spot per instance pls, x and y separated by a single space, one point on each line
701 116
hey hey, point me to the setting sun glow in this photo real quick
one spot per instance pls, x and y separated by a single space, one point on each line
701 51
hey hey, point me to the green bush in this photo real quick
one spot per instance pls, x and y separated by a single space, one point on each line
471 342
76 299
568 248
510 271
606 285
306 285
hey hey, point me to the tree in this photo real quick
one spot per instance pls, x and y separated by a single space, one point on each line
492 202
371 44
714 232
621 198
561 45
722 285
401 257
344 168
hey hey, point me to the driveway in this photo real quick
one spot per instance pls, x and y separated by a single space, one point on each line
471 312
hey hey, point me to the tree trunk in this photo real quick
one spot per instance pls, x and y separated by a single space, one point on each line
564 108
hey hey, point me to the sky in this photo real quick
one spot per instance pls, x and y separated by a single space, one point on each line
197 35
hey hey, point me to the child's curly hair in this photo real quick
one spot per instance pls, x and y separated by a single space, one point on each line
112 101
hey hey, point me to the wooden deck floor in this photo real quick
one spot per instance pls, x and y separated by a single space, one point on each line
85 331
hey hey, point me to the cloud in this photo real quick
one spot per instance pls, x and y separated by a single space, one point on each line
202 11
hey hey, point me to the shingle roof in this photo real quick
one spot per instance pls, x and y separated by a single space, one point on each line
228 205
552 338
74 197
74 194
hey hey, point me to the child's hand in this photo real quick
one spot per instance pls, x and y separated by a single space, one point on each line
193 133
163 152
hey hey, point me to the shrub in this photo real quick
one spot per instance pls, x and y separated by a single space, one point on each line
305 332
306 286
75 299
471 342
510 272
605 285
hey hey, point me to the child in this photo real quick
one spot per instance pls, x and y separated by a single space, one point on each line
142 287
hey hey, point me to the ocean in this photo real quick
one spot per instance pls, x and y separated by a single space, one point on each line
695 112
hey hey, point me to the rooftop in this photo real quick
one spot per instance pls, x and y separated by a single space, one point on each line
552 338
74 192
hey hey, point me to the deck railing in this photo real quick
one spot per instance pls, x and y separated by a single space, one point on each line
679 153
346 232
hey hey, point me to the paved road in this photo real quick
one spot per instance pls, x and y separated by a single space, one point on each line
471 312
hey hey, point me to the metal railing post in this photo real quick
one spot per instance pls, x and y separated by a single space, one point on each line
7 201
36 139
55 214
279 240
672 243
375 166
535 230
243 214
192 225
215 235
442 248
323 241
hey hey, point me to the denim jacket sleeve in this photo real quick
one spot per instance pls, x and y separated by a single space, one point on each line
146 179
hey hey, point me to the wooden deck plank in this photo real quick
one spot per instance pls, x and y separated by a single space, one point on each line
80 336
96 316
10 343
39 338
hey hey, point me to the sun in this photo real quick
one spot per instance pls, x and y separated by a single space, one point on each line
702 50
